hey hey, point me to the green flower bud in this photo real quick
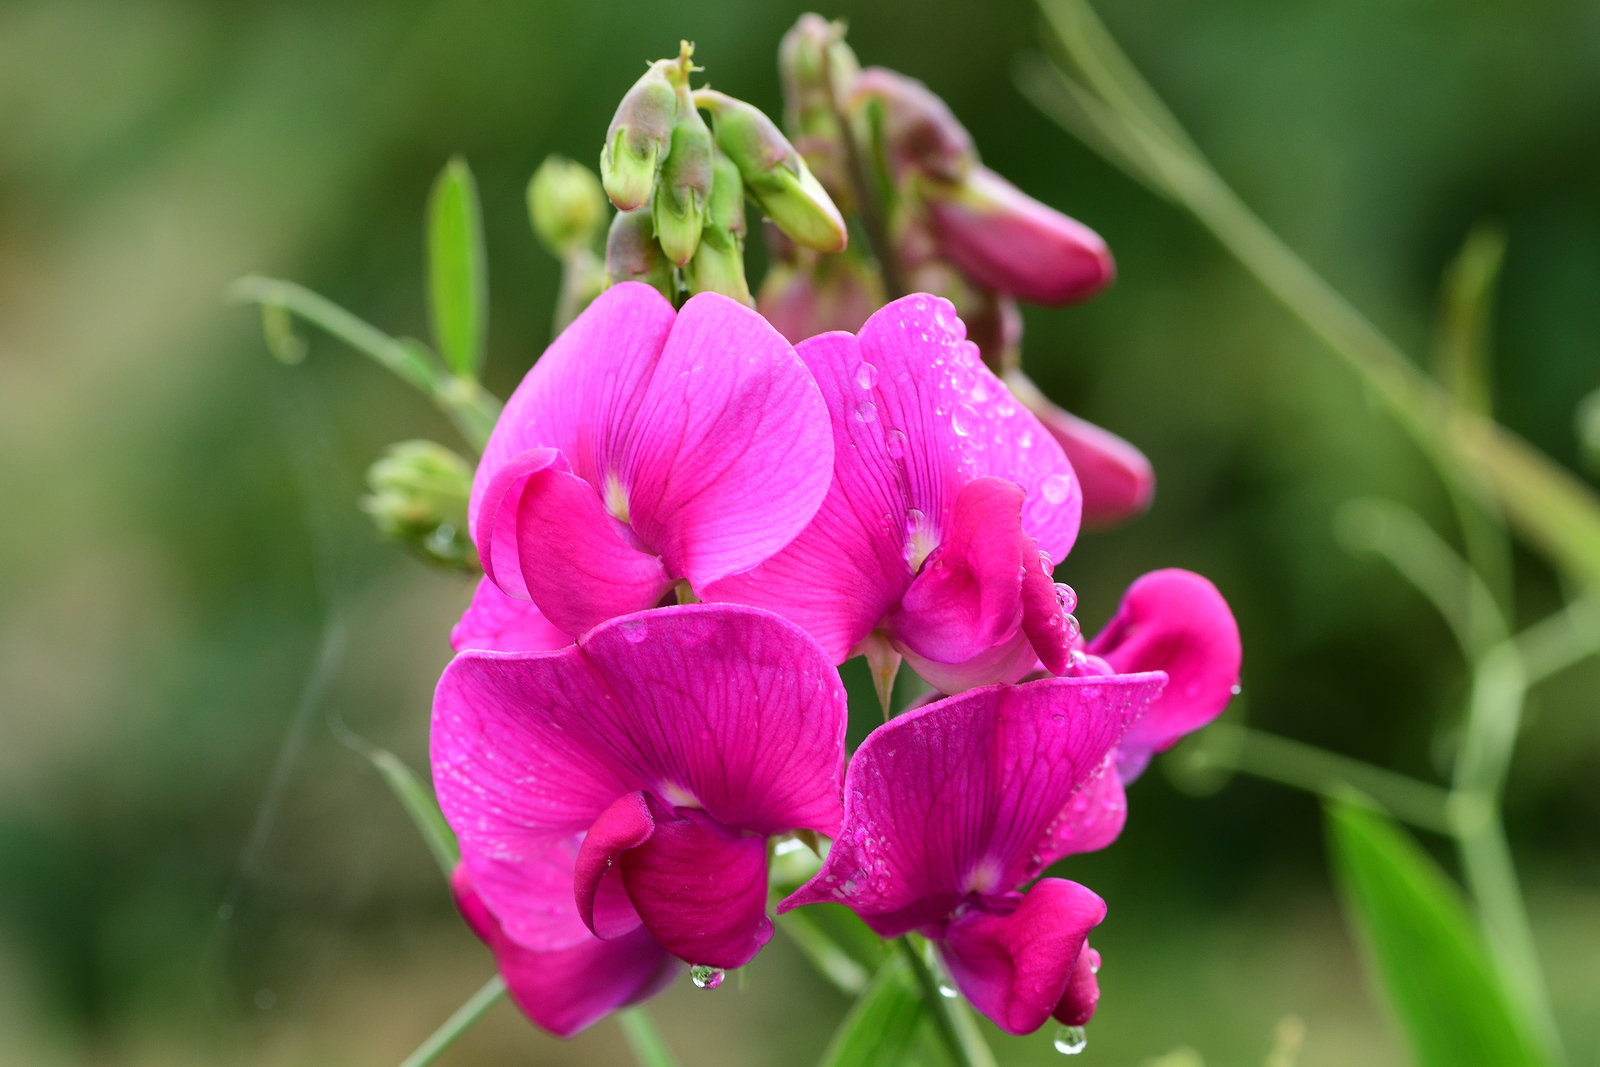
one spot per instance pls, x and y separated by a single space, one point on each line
640 137
419 499
774 173
811 54
684 185
632 254
567 206
718 263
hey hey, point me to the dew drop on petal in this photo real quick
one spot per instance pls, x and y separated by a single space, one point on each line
963 421
706 977
867 412
1071 1040
1067 597
980 390
1056 488
1237 689
895 441
1073 629
866 375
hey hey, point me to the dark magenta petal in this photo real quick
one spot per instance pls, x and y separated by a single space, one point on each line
1009 661
496 622
700 888
565 990
626 824
1016 968
948 804
1083 990
1173 621
1091 820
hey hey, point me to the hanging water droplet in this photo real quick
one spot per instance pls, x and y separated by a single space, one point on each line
1056 488
963 420
1066 597
706 977
1073 629
1071 1040
866 375
867 412
895 441
1237 689
947 991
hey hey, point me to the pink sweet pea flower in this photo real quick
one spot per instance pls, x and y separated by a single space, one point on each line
498 623
626 785
647 447
950 810
949 506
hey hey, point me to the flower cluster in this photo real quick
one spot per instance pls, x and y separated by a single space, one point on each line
685 523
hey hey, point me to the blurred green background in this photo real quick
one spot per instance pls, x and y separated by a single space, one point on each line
183 521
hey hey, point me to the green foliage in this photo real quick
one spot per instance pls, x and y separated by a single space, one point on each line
881 1028
458 277
1434 970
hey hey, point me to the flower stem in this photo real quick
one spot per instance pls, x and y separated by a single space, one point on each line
865 189
950 1018
649 1048
458 1024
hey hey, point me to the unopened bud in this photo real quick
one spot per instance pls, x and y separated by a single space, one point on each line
718 263
811 55
567 206
639 137
419 499
684 185
919 127
774 173
632 254
1009 242
815 294
1118 482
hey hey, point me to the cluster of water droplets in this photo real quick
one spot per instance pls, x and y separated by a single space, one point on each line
705 976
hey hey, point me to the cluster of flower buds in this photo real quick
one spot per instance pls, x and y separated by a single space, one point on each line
568 210
680 184
889 147
419 499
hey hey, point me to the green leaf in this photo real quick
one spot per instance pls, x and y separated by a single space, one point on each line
881 1029
1424 947
415 797
458 278
1463 346
649 1047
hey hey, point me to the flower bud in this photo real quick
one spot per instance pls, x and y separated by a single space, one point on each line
774 173
567 206
684 185
1009 242
810 54
814 294
640 137
1118 482
921 131
632 254
419 499
718 263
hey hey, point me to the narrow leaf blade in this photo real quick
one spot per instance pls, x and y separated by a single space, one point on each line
1424 948
419 803
881 1028
458 277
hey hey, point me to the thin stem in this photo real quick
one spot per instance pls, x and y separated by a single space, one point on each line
649 1048
831 961
1569 636
865 189
960 1036
458 1024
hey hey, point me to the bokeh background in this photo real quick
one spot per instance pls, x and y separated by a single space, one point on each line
182 533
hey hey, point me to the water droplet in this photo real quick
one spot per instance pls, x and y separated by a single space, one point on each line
1056 488
895 441
1237 689
980 390
1073 629
706 977
947 991
635 630
866 375
867 412
1066 597
1071 1040
1025 440
963 421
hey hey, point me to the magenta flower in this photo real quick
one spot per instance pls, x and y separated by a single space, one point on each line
498 623
644 448
950 810
949 506
660 751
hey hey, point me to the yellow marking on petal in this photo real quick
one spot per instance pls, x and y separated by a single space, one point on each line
616 498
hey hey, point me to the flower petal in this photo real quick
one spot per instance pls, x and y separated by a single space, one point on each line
568 989
847 568
1007 662
583 394
1083 990
1016 968
700 888
496 622
1090 821
948 803
732 451
626 824
1173 621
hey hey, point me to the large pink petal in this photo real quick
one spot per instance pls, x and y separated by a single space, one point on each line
700 888
1010 661
577 561
626 824
1173 621
1091 820
583 394
496 622
946 804
732 451
1083 990
568 989
848 568
1016 968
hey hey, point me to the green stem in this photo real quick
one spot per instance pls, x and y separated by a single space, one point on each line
954 1026
1565 638
865 189
831 961
649 1049
458 1024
